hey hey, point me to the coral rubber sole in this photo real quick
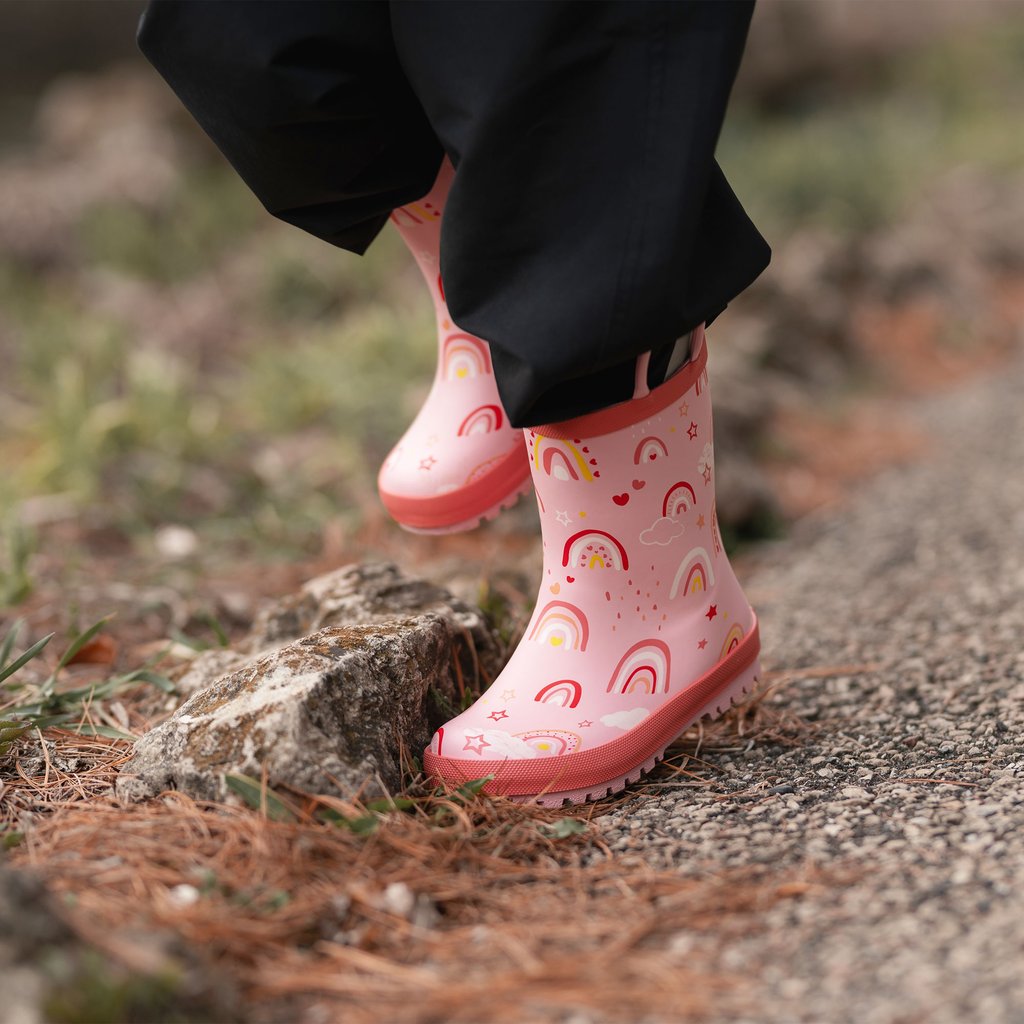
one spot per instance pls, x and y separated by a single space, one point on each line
466 507
591 774
736 693
490 514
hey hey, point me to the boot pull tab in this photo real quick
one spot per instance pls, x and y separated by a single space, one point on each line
640 388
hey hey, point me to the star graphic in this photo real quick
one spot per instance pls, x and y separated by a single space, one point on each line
428 463
563 518
507 695
497 716
702 643
707 474
476 743
586 723
711 612
700 521
684 409
692 430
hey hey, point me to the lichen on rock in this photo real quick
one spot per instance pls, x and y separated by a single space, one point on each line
333 691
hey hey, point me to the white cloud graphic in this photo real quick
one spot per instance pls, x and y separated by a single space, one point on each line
707 459
499 744
625 719
662 531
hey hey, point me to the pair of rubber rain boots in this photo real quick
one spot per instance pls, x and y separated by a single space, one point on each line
640 627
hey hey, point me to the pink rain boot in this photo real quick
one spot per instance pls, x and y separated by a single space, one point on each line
640 627
459 462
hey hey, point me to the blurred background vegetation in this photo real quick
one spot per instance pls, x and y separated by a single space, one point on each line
187 386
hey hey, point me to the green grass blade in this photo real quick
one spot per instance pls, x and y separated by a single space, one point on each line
35 649
80 641
8 644
390 803
144 675
10 731
257 797
86 729
563 828
471 789
47 721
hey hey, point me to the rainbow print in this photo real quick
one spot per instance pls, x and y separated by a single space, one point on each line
644 668
694 575
561 459
485 419
464 357
551 742
594 549
648 450
481 469
679 498
732 640
561 625
413 214
566 692
714 529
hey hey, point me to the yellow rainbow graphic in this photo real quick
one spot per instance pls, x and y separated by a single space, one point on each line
464 357
732 639
415 213
551 742
561 459
695 574
594 549
563 626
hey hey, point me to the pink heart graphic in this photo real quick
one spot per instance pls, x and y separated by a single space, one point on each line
639 485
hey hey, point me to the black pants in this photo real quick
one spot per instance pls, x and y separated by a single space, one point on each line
588 221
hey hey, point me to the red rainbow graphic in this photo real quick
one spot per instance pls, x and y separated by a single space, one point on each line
485 419
645 667
566 692
679 498
594 549
648 450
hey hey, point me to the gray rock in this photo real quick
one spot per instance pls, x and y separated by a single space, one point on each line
338 711
356 595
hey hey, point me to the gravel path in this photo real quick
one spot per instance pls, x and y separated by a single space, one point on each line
910 794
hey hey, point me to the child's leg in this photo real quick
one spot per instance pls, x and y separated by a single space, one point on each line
461 460
306 100
588 223
639 628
